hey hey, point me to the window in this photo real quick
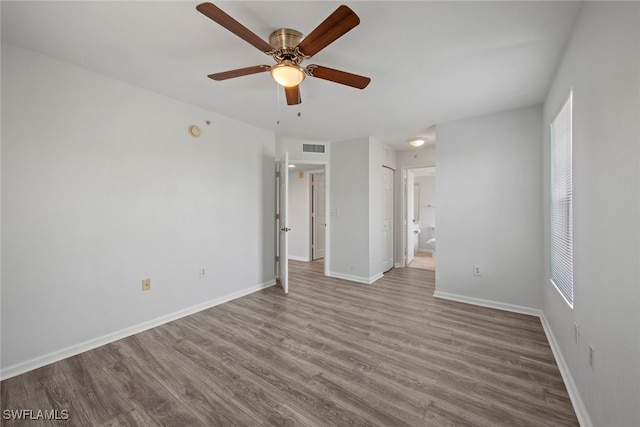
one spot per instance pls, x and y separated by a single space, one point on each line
561 205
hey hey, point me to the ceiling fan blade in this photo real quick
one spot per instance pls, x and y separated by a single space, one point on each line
337 76
218 15
335 26
293 95
239 72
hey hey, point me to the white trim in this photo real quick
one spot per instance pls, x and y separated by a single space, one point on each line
358 279
37 362
572 389
567 378
488 303
298 258
555 285
376 277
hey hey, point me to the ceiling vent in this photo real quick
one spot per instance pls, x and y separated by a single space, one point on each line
313 148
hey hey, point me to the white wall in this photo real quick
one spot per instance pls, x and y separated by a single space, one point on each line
102 187
355 222
294 148
299 216
489 189
417 157
349 210
601 64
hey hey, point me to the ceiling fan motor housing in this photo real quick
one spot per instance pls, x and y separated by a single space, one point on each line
285 38
285 46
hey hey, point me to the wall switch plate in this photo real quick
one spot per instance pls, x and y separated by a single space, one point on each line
203 272
476 270
591 355
576 332
146 284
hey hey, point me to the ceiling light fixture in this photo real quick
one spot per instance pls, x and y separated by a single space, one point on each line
416 142
287 74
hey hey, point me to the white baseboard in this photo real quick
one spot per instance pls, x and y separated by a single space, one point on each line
376 277
488 303
299 258
37 362
572 390
358 279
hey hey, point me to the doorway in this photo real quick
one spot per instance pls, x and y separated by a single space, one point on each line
318 215
308 201
420 217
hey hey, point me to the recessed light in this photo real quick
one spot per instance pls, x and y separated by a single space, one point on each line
292 166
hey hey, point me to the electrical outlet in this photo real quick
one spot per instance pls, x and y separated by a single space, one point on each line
591 356
146 284
476 270
203 272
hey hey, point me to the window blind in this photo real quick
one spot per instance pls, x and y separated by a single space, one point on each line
561 205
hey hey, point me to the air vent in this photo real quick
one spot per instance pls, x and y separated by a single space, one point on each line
313 148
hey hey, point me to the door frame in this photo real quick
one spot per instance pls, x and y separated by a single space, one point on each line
403 217
392 212
327 183
409 184
312 200
281 217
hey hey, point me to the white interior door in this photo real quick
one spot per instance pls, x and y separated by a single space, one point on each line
282 206
387 218
318 216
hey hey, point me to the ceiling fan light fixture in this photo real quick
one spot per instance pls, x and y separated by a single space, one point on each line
287 74
416 142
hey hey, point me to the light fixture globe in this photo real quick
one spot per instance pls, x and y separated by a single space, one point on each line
287 74
416 142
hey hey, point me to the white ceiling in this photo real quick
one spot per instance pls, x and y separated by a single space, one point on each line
430 62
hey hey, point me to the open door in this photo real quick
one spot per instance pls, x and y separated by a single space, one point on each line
282 204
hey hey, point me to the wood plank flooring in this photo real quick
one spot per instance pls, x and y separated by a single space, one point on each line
330 353
423 260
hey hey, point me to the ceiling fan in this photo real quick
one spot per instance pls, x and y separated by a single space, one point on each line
289 48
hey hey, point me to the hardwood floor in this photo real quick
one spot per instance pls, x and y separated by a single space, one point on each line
331 352
423 260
